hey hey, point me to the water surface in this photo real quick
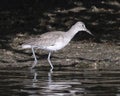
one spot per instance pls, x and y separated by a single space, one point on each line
64 81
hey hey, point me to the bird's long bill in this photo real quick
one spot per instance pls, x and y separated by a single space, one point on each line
89 32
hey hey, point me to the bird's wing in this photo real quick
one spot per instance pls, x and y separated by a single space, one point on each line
44 40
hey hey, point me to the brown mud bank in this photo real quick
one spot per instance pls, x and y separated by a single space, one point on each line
23 19
75 54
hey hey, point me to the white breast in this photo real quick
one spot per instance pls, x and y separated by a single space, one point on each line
57 46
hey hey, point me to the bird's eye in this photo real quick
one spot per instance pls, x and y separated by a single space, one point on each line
83 25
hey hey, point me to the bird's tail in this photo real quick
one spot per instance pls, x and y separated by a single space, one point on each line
26 46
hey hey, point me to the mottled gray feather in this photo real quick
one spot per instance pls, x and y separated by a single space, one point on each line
46 39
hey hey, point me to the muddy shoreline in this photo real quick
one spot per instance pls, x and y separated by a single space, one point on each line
29 19
76 54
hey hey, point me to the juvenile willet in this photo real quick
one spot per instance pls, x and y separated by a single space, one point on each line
53 41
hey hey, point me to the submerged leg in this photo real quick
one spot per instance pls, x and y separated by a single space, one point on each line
50 61
35 59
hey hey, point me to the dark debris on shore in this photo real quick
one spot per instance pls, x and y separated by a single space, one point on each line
23 19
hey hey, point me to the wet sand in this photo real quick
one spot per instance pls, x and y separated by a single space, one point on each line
76 54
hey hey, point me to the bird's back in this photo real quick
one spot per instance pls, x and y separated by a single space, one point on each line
44 40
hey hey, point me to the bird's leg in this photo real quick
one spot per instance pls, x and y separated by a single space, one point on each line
35 59
50 61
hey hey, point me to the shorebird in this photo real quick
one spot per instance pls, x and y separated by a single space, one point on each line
53 41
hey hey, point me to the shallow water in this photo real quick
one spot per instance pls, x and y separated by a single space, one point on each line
64 81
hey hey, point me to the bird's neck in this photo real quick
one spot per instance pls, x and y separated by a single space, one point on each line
72 31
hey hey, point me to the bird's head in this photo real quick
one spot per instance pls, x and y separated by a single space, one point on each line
80 26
